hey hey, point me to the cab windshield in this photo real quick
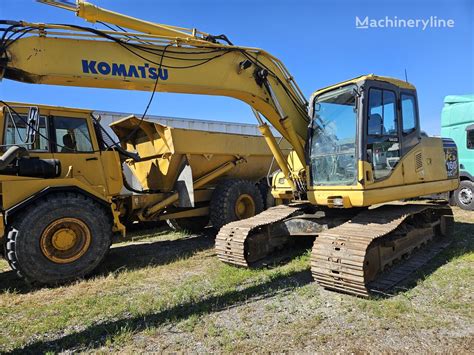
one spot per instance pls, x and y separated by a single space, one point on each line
333 148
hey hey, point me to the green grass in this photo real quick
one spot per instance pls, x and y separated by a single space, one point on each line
168 292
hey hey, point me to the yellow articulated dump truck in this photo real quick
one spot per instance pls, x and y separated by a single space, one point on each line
64 193
231 170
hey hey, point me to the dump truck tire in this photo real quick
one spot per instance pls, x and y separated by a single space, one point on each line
464 195
189 225
60 238
234 200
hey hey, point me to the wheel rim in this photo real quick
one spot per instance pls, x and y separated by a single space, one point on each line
465 196
65 240
244 207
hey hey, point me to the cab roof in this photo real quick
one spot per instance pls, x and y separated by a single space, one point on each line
400 83
48 107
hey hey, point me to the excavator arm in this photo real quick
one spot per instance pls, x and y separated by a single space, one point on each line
155 58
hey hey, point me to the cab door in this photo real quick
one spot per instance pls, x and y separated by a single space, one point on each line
74 144
383 140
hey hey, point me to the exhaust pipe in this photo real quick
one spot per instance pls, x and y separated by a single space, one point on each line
11 154
28 167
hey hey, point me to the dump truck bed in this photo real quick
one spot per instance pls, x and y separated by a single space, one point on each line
248 129
164 150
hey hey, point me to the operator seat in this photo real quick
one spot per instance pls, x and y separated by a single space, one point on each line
69 146
375 125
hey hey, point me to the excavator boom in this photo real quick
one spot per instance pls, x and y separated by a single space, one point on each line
79 56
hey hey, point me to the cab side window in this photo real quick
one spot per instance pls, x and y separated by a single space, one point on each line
382 113
408 113
16 133
383 147
470 139
72 135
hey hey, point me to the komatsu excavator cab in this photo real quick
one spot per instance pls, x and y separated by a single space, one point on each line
365 146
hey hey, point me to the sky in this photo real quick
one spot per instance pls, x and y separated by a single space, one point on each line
317 41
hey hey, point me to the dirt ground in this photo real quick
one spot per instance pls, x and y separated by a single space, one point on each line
164 291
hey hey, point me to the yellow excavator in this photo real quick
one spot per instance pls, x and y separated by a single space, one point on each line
356 145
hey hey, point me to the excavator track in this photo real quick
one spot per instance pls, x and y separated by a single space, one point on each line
233 238
370 253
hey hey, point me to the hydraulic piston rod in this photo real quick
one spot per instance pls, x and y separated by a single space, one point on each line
197 184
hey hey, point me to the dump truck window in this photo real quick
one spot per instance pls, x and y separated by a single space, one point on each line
72 135
15 133
408 113
470 139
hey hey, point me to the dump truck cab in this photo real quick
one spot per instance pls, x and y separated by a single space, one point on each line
54 153
51 150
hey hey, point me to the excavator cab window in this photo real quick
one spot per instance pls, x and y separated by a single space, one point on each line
333 148
408 113
383 148
411 133
72 135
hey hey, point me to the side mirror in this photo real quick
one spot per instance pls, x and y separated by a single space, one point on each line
33 124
